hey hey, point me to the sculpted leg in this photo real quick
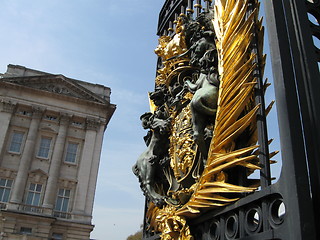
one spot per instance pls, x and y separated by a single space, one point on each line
198 125
149 182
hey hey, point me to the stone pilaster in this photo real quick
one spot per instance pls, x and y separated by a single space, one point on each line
85 166
94 170
26 157
51 189
7 110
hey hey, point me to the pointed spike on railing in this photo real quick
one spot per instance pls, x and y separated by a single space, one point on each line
272 154
270 141
268 109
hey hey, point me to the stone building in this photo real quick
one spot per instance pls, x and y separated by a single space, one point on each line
51 131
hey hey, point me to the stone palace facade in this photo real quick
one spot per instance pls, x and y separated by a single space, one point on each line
51 129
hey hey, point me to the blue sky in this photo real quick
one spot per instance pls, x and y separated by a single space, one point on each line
104 42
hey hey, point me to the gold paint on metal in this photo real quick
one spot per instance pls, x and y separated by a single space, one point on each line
169 47
152 106
171 226
236 113
198 5
182 147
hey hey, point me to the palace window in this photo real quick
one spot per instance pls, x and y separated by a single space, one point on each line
44 147
34 194
57 236
24 112
16 142
5 189
25 230
71 153
50 117
63 198
77 124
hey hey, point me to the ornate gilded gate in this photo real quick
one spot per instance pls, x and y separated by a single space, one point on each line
202 190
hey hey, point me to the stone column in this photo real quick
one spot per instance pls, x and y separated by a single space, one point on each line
85 167
94 170
26 157
6 109
51 189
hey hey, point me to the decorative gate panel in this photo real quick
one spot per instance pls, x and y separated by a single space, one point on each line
208 123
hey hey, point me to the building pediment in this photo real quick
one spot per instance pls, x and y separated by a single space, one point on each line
48 129
57 84
7 173
38 176
39 172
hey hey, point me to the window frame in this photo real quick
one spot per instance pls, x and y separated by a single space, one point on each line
76 153
5 188
49 149
12 139
34 193
57 236
64 197
26 230
24 112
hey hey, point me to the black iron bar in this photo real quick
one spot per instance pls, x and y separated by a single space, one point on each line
198 7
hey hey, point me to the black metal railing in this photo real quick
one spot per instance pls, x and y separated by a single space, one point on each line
287 209
173 8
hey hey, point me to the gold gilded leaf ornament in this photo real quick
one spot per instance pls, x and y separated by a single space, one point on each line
207 80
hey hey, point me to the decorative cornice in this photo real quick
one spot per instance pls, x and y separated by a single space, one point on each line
38 175
98 104
92 124
67 183
65 118
37 112
57 89
8 173
7 106
57 84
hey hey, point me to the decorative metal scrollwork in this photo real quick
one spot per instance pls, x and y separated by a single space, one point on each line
276 212
203 121
247 220
253 219
231 228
